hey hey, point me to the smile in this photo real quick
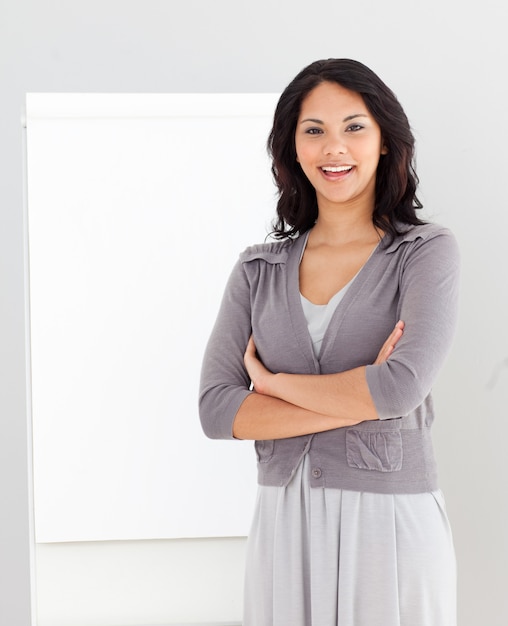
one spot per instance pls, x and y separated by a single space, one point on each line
335 169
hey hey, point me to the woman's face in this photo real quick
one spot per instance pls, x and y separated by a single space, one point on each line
338 146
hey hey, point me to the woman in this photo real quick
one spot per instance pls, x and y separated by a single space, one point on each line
350 527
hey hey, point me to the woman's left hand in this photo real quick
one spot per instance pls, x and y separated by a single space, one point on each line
258 373
389 345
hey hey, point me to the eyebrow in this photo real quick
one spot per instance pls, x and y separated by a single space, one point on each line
346 119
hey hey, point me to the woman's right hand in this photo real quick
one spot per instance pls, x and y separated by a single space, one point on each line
390 343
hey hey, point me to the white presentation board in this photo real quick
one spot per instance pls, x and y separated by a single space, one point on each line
138 206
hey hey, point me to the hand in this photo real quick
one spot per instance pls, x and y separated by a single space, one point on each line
390 343
258 373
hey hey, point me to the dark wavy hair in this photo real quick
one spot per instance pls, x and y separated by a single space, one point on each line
396 180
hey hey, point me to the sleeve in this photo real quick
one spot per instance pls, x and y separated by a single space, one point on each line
428 305
224 383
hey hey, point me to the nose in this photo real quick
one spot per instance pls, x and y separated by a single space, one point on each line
335 145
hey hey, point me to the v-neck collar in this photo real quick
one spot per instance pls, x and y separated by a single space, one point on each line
297 315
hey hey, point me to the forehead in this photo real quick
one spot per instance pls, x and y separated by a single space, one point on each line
332 99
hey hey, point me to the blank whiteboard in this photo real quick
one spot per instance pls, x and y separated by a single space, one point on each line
138 206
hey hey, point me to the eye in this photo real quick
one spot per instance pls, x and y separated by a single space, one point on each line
313 131
353 128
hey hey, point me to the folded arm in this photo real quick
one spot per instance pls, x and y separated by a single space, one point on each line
390 387
309 402
265 417
287 405
228 408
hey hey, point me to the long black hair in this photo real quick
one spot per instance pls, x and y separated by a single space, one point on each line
396 179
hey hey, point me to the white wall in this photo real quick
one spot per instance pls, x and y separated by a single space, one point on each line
140 582
445 60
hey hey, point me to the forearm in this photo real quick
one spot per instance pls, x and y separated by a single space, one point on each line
344 395
264 417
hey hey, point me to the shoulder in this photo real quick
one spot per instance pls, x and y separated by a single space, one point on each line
273 252
415 236
427 250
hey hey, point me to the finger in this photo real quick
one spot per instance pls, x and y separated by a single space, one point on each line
398 328
394 337
400 325
251 348
250 352
390 343
396 334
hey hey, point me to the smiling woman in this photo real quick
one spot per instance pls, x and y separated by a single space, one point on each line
325 350
339 152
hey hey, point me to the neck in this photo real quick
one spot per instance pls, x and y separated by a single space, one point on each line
336 228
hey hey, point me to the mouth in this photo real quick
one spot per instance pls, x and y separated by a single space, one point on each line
336 172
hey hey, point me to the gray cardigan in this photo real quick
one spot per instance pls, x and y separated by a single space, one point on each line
413 278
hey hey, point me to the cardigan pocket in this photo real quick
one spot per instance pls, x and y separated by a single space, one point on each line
264 450
374 450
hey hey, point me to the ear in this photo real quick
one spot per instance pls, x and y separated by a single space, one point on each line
384 149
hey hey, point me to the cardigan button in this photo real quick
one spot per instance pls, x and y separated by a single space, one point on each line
316 472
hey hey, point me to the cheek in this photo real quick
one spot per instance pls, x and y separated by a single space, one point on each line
303 154
304 165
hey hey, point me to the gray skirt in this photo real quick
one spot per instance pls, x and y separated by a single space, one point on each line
331 557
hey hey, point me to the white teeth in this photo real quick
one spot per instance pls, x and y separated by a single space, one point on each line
341 168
